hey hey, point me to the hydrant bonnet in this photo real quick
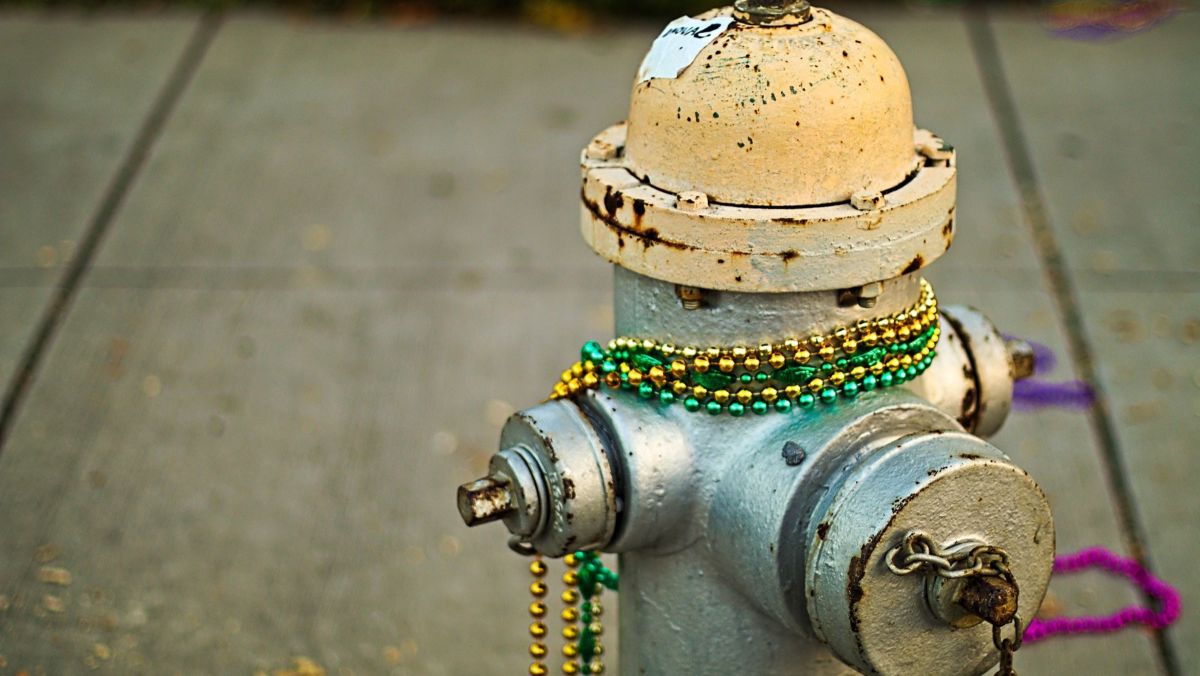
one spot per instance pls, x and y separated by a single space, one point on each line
782 158
792 115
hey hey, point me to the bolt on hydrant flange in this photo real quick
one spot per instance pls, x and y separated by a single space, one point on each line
786 443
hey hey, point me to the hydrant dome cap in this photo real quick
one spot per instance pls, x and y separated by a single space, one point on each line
792 115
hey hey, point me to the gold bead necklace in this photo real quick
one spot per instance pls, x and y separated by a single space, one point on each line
537 629
584 579
795 372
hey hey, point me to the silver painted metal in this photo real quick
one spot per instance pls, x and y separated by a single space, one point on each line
991 366
954 485
556 468
972 376
650 308
765 534
723 537
518 471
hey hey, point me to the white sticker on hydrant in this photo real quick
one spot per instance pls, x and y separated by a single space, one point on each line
679 44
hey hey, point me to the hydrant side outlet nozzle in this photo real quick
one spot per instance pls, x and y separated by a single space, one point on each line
553 484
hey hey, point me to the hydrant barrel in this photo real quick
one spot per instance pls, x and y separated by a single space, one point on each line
785 441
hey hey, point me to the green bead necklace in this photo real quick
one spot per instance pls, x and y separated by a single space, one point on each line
795 373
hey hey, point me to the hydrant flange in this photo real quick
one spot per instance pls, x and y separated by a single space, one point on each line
651 231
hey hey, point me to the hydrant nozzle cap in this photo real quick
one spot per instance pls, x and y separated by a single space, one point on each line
781 114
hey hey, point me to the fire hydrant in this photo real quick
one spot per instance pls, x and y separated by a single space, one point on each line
785 445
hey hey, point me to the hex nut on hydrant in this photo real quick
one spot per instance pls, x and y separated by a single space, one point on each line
1024 358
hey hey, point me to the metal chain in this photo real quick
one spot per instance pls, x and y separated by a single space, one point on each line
918 552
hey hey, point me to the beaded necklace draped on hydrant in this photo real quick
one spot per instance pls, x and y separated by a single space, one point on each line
797 372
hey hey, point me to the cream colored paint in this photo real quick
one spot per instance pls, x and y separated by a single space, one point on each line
784 158
778 116
746 248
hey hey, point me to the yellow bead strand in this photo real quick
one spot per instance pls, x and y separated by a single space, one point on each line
670 372
537 609
596 666
570 615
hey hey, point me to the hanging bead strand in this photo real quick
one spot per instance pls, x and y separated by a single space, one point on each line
537 609
593 577
570 615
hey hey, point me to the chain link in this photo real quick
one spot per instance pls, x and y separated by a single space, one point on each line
918 552
1008 646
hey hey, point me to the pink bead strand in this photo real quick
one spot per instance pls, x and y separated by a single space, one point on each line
1098 557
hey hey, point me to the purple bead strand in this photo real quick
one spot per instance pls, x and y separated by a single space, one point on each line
1168 599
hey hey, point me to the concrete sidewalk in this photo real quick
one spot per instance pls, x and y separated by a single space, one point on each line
269 288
